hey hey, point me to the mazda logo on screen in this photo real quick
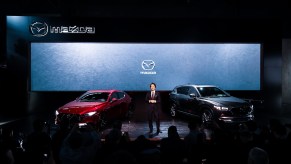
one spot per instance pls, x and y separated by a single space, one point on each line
39 29
148 65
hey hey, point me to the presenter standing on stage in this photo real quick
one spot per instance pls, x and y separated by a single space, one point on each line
153 100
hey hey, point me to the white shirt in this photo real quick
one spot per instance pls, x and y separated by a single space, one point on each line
152 93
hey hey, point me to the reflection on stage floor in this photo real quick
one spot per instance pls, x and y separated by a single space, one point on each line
135 127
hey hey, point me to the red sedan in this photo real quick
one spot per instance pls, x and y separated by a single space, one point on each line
97 107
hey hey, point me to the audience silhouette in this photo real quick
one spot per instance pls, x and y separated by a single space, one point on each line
195 142
258 156
38 143
6 149
247 143
172 147
80 146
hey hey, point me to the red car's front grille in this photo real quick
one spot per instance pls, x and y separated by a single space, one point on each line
70 118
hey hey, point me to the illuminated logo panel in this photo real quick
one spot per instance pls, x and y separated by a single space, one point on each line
148 66
39 29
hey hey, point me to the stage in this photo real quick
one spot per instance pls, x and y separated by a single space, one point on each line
135 126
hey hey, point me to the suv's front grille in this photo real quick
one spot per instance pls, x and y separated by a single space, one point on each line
240 111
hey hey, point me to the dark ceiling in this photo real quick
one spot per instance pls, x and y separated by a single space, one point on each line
150 8
279 10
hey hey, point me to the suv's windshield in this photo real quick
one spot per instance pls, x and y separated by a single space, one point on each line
94 97
211 92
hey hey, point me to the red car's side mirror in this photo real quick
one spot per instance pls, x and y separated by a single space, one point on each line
113 100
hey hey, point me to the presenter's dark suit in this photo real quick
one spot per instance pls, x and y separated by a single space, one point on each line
153 110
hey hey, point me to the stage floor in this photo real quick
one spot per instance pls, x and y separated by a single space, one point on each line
133 127
136 126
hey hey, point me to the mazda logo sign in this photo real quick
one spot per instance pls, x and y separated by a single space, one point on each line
38 29
148 65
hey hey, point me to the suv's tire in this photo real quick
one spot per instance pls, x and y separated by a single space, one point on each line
173 111
207 118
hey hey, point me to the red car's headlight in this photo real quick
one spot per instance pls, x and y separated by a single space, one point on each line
90 114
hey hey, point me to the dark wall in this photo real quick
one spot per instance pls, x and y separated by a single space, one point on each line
272 76
286 75
265 31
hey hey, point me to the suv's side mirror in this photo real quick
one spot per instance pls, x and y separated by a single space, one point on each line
192 95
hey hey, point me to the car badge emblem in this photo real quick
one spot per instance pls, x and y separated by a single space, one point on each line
148 65
38 29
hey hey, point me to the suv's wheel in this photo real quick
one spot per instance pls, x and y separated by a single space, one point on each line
207 118
173 110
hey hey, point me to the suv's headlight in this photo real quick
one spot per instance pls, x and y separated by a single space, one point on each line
56 113
221 108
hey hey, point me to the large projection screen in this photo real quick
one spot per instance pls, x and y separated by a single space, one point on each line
81 66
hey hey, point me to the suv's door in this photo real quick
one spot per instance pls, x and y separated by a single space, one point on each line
182 97
191 103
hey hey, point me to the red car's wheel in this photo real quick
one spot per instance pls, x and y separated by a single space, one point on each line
130 111
103 122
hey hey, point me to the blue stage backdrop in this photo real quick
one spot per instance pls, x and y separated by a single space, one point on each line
80 66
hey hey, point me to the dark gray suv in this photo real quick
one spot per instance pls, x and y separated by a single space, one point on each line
210 103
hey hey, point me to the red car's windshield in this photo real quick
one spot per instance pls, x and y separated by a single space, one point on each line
94 97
